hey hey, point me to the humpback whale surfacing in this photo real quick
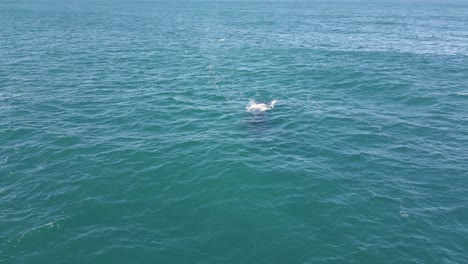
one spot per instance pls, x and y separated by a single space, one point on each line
257 108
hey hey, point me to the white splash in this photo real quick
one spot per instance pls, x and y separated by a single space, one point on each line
221 40
463 94
404 214
256 108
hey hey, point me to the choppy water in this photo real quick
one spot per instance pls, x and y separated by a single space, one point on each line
124 135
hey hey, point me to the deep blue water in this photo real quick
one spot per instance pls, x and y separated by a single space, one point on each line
124 135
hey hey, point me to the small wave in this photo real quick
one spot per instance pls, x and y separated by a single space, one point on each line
5 96
255 107
463 94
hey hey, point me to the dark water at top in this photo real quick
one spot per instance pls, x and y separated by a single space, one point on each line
124 136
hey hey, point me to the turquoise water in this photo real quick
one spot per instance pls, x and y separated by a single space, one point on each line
124 135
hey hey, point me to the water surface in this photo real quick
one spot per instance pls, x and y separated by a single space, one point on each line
124 136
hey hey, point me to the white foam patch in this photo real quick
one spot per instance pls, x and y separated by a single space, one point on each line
255 107
463 94
404 214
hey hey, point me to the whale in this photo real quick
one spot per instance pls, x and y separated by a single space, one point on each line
256 107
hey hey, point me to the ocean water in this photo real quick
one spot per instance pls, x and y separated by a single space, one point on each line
125 135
